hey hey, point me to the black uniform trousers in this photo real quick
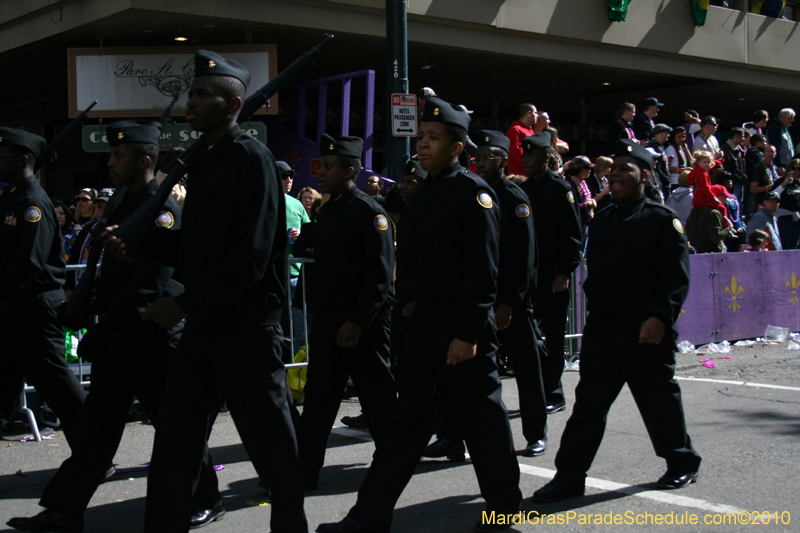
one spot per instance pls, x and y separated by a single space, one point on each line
33 348
474 390
243 363
132 364
551 311
369 365
610 357
522 344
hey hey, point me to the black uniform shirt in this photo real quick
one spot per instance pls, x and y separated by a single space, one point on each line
127 285
31 246
557 226
516 270
354 257
643 127
638 264
453 250
233 239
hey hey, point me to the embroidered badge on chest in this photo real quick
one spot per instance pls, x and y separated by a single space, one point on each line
677 224
570 197
33 214
522 210
11 220
165 220
485 199
380 222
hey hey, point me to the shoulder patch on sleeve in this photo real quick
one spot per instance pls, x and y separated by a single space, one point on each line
570 197
522 210
380 222
677 224
485 199
165 219
33 214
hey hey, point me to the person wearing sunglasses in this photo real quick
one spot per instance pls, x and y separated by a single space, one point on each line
84 208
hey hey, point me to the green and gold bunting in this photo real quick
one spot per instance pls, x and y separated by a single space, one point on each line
700 10
617 10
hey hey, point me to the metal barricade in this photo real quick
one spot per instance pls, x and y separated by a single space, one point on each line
306 325
576 314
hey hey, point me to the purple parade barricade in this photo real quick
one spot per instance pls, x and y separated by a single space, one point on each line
737 295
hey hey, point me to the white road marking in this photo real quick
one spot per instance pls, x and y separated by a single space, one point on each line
344 431
668 497
745 383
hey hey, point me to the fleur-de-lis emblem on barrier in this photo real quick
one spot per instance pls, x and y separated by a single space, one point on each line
793 284
734 290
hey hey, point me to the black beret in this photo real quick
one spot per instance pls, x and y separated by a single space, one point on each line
283 167
346 146
437 110
212 64
493 138
536 142
413 168
627 147
23 139
133 131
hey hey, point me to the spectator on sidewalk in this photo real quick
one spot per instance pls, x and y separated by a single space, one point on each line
760 120
778 135
622 128
765 220
643 124
705 141
520 128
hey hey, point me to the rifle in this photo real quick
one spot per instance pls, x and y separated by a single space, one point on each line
48 152
132 230
261 97
166 116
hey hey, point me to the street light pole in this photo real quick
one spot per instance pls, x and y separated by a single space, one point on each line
398 148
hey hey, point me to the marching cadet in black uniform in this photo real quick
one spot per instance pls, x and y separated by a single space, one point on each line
517 330
233 266
31 278
354 256
413 177
117 343
558 241
516 282
451 341
638 265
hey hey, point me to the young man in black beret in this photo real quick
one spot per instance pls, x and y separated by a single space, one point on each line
449 350
517 331
353 256
233 266
558 241
31 277
115 344
630 334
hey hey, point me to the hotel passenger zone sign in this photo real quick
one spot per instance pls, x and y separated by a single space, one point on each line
141 82
404 115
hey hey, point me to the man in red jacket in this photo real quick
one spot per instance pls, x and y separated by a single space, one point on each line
519 130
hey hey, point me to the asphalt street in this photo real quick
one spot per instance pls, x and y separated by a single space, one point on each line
743 417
